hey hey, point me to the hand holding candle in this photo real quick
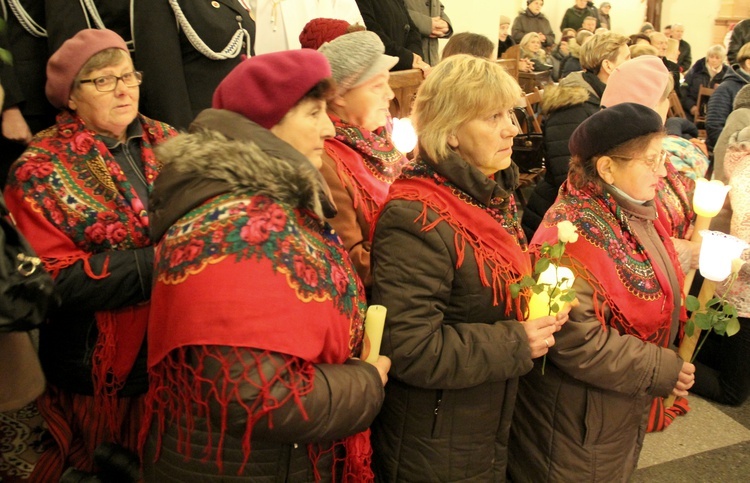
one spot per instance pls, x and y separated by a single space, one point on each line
374 324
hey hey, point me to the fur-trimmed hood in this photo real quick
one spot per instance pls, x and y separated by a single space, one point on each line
572 91
224 152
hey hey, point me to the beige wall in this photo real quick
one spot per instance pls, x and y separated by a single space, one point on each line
481 16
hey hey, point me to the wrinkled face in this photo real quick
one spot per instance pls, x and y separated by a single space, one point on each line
677 32
107 113
503 31
536 6
534 45
306 127
589 25
639 177
581 3
367 105
714 61
486 143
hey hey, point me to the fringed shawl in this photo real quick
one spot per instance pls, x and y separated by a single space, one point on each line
674 197
72 200
245 271
492 232
610 257
368 161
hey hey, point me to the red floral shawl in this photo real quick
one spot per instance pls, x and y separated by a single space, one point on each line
493 232
674 202
366 160
71 200
609 256
246 271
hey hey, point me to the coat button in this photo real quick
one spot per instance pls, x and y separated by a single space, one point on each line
215 4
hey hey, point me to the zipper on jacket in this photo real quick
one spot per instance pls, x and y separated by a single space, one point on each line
436 412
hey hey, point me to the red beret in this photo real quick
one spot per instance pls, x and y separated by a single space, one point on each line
321 30
265 87
66 62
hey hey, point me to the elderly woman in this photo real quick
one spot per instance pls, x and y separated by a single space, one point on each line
706 72
531 48
360 162
447 246
256 379
80 195
585 418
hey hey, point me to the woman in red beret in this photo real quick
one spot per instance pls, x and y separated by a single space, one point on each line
256 310
80 195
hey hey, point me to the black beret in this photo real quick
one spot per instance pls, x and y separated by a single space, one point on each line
611 127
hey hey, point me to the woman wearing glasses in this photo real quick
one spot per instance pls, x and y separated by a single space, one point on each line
585 418
80 195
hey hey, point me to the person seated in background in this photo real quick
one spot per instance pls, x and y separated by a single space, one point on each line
531 49
685 59
504 39
721 101
646 28
272 359
706 72
80 194
433 24
533 20
559 55
589 23
638 50
575 15
569 32
661 42
639 39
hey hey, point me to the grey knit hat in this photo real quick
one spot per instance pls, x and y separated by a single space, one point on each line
356 58
742 99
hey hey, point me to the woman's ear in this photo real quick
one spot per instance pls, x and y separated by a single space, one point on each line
453 141
338 102
72 104
604 166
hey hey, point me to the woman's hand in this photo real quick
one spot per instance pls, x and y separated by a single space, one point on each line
418 63
439 28
15 127
685 380
383 365
540 332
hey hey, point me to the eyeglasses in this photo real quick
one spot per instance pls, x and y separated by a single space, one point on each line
654 163
108 83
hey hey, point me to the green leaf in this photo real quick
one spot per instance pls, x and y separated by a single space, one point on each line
556 251
692 304
703 321
554 308
527 281
568 296
689 328
730 310
6 57
733 327
515 290
541 265
537 289
714 302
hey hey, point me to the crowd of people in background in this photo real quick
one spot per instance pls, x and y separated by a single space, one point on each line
215 189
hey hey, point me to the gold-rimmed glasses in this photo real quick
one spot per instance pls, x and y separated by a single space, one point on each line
654 162
108 83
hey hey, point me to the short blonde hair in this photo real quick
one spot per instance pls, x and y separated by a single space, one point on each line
459 89
600 47
638 50
527 38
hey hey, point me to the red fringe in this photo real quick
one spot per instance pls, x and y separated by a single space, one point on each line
55 265
178 395
659 417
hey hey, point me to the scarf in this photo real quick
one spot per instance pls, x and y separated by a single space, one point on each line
674 202
368 161
492 231
244 271
72 200
609 256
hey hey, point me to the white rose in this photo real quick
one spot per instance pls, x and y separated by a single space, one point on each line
566 232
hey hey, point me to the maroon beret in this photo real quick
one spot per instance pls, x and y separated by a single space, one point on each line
66 62
265 87
321 30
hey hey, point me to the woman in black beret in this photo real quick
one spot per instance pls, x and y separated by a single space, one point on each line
585 417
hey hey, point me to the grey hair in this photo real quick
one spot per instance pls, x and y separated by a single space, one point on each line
717 50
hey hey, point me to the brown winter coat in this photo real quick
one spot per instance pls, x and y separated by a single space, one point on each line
456 357
585 418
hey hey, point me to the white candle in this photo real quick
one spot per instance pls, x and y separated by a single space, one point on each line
709 197
403 136
374 324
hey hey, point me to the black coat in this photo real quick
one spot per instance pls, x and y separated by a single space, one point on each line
66 18
391 21
564 107
178 80
697 77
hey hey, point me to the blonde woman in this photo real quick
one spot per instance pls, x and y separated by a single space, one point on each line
531 48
